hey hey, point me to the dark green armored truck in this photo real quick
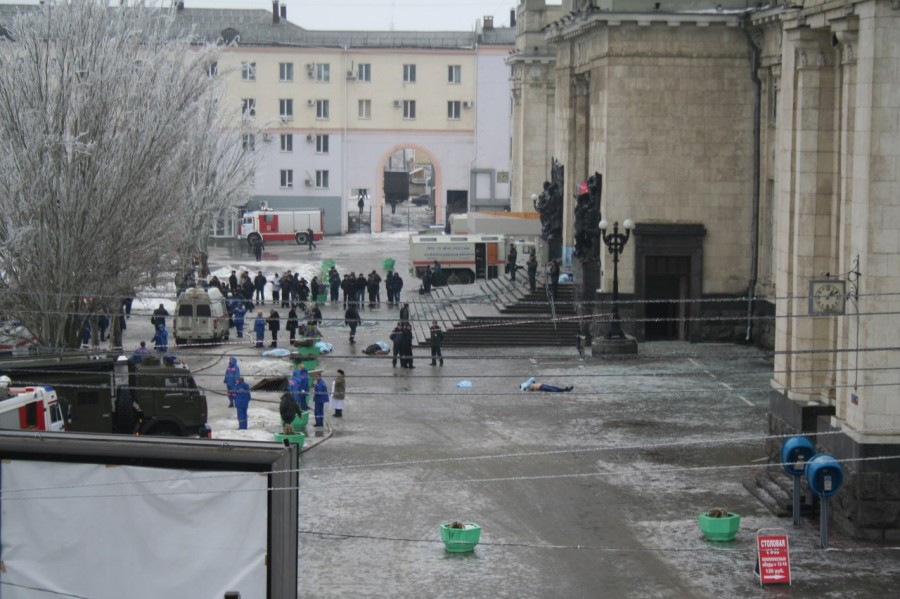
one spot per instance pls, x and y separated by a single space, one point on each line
108 393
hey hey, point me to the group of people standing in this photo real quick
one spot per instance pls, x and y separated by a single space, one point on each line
359 288
294 401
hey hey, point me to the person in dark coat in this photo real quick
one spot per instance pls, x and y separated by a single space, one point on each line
314 289
303 291
554 278
352 320
86 334
398 287
242 402
293 323
274 322
396 338
532 272
287 290
320 398
232 376
259 329
406 355
389 287
310 238
426 280
372 286
233 282
159 317
259 285
103 324
511 259
437 274
360 289
288 410
347 288
437 338
404 314
334 282
258 250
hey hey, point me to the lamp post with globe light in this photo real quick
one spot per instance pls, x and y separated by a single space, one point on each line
616 241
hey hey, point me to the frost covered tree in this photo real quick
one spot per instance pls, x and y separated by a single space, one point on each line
114 151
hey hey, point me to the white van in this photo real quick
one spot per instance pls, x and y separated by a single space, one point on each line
200 317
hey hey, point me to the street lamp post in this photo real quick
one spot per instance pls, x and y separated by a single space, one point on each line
616 241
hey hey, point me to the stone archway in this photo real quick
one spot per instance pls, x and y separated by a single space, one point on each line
439 201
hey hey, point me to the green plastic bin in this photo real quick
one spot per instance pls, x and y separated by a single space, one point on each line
297 439
460 540
301 421
321 298
388 263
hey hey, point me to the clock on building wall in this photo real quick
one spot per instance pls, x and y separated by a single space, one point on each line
827 296
535 72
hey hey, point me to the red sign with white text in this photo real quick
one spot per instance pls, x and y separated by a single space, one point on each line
774 562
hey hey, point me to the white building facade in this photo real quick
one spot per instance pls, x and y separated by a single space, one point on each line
325 110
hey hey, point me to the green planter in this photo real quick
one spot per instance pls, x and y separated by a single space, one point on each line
301 421
460 540
308 352
388 263
321 298
297 439
720 529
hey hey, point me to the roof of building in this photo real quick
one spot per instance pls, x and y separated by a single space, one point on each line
255 27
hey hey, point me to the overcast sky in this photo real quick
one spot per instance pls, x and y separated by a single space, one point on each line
400 15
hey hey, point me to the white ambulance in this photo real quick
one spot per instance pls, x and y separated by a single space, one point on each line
281 225
464 258
29 408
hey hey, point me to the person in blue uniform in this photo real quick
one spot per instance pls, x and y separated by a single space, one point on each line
259 329
302 376
232 375
320 398
161 339
242 402
238 311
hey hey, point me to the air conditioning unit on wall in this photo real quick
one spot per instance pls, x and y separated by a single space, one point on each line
468 104
308 182
398 103
310 102
351 74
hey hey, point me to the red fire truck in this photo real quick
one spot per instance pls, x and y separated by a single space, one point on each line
282 225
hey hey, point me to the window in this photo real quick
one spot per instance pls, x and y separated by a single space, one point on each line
322 109
453 109
285 71
287 179
364 72
212 69
248 107
322 179
409 73
454 73
248 71
286 109
323 72
248 142
409 109
321 144
287 142
365 109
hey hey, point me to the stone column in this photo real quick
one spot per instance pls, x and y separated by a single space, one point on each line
804 235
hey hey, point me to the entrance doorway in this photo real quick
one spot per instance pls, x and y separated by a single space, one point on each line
667 288
668 280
